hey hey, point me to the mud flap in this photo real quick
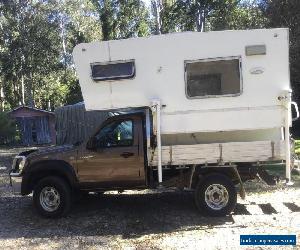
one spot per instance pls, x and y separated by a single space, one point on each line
242 191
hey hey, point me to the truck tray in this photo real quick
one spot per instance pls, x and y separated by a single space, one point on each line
256 151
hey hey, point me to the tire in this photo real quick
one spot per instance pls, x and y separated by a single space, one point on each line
52 197
214 204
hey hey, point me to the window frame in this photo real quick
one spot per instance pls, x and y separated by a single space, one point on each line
214 60
119 121
113 78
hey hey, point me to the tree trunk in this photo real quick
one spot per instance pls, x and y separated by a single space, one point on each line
23 90
30 101
1 98
157 8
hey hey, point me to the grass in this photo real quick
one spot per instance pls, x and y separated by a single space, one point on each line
275 169
297 147
279 169
260 187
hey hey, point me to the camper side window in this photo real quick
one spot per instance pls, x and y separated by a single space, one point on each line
113 70
211 78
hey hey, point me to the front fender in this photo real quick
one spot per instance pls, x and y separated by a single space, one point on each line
38 170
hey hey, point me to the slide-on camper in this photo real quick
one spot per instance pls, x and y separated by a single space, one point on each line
198 111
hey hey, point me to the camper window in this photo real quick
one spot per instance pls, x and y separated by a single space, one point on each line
113 70
211 78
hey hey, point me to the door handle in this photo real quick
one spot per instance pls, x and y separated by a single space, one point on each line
126 154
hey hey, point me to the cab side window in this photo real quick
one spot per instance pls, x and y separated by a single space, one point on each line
115 134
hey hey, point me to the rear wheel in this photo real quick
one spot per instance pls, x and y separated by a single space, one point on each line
216 195
52 197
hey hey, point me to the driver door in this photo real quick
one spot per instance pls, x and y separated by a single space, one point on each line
116 158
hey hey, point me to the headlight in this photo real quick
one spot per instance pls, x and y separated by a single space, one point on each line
22 164
19 163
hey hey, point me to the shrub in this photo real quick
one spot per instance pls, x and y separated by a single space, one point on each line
7 129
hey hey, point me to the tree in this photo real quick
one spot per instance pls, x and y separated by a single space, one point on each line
204 15
37 38
7 128
122 18
79 23
132 19
238 15
29 49
285 13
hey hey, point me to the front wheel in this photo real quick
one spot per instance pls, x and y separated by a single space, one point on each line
216 195
52 197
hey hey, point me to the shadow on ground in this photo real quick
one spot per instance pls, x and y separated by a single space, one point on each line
129 215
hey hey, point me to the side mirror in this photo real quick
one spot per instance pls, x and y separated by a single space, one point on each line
91 144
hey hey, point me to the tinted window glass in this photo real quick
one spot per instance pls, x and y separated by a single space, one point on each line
121 70
115 134
213 78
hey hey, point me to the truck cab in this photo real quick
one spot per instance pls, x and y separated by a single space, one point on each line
114 156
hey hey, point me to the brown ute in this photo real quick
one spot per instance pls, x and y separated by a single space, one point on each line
113 158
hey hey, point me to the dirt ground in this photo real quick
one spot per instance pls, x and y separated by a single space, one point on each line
145 219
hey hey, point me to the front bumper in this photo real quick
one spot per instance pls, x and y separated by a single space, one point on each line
15 182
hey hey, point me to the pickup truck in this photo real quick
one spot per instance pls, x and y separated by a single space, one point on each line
117 157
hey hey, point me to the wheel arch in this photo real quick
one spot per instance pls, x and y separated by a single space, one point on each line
229 171
201 172
41 169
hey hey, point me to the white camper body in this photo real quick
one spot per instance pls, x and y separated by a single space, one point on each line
223 97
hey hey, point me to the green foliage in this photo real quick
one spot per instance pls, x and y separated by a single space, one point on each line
73 94
204 15
122 18
30 43
235 15
132 19
297 147
7 129
287 14
35 55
